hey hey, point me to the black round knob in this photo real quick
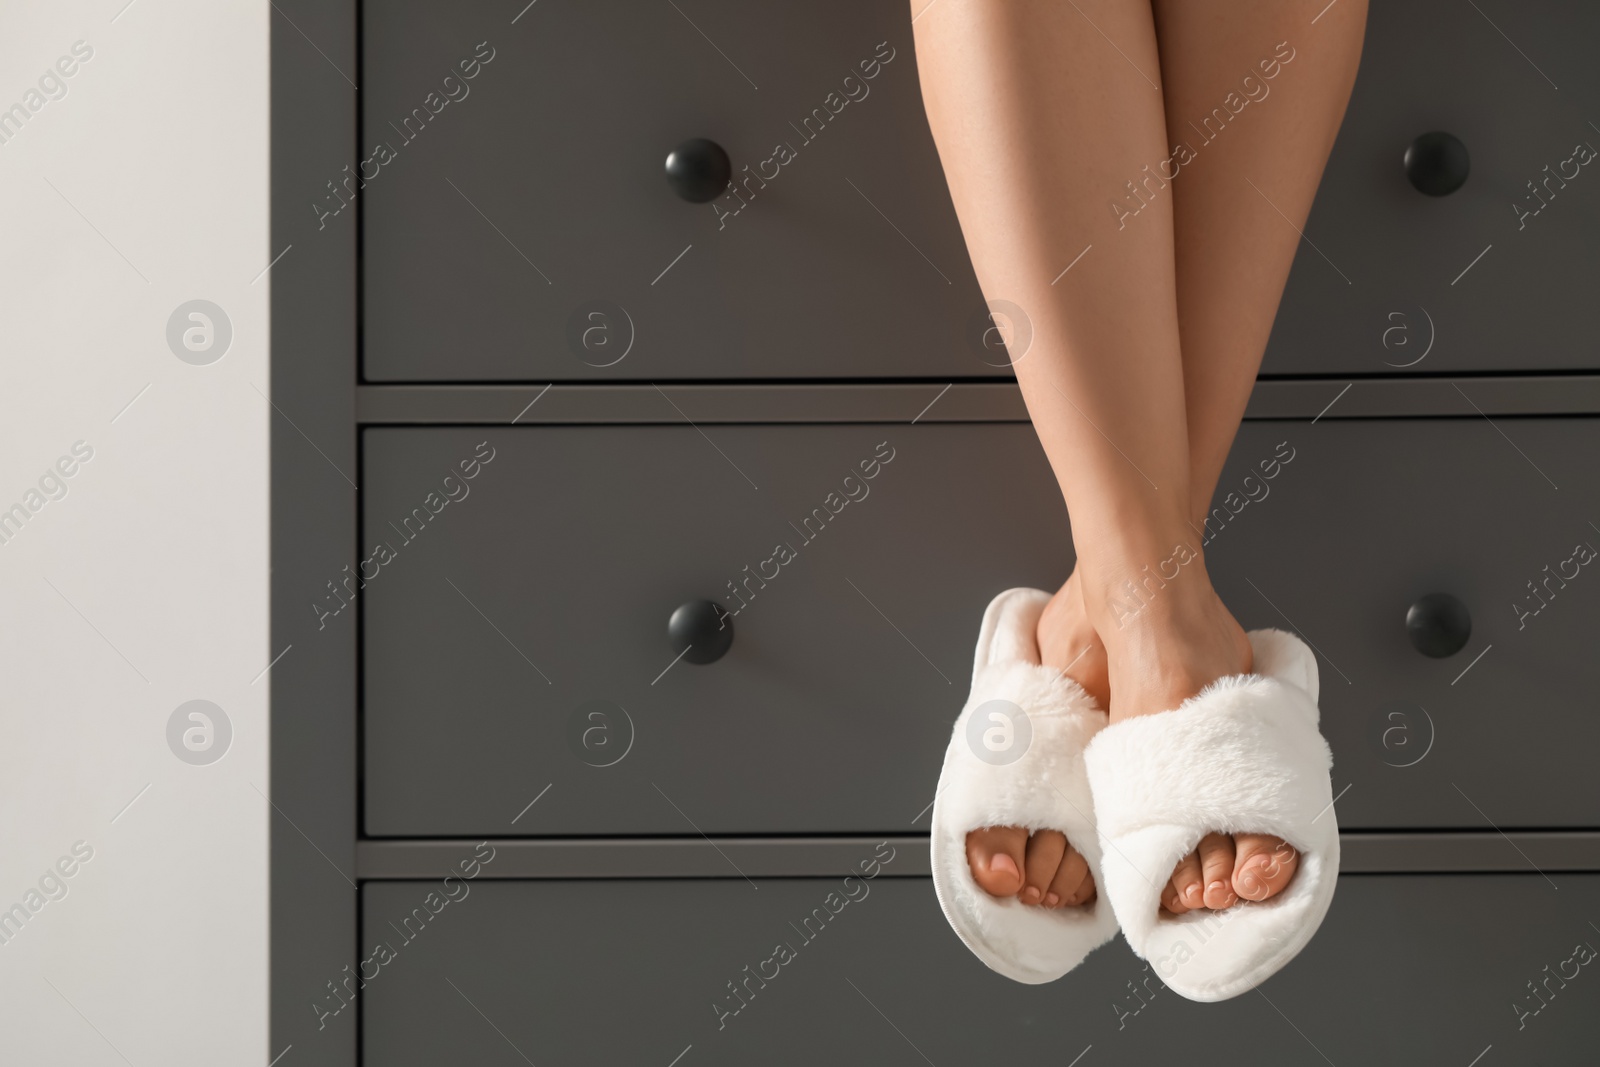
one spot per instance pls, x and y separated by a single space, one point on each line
1437 164
698 170
1439 625
705 628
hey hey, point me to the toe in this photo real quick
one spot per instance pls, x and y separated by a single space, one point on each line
1045 849
1171 900
1216 870
1186 882
996 856
1072 884
1264 866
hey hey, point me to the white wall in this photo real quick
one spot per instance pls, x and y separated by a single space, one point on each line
160 542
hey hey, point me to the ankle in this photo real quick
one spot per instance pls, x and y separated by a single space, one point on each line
1165 588
1166 633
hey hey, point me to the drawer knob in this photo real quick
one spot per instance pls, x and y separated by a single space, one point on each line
1437 164
1439 625
706 629
698 170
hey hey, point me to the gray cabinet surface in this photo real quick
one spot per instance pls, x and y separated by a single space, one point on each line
519 640
1382 284
1407 970
508 221
548 589
518 225
540 197
1369 517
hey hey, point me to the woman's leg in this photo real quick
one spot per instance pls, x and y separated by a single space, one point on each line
1230 274
1045 115
1241 203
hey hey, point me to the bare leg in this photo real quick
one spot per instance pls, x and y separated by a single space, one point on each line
1239 206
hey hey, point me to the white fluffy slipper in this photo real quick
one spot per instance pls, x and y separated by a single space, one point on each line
1242 756
1016 759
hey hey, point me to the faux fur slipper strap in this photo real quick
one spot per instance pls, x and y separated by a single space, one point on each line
1242 756
1016 759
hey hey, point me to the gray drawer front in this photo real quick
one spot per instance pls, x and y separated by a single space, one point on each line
849 263
1390 256
829 714
1370 516
548 587
1406 970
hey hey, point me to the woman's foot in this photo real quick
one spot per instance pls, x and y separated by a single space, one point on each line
1171 641
1165 641
1043 869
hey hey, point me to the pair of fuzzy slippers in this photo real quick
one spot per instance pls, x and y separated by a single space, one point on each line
1032 749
